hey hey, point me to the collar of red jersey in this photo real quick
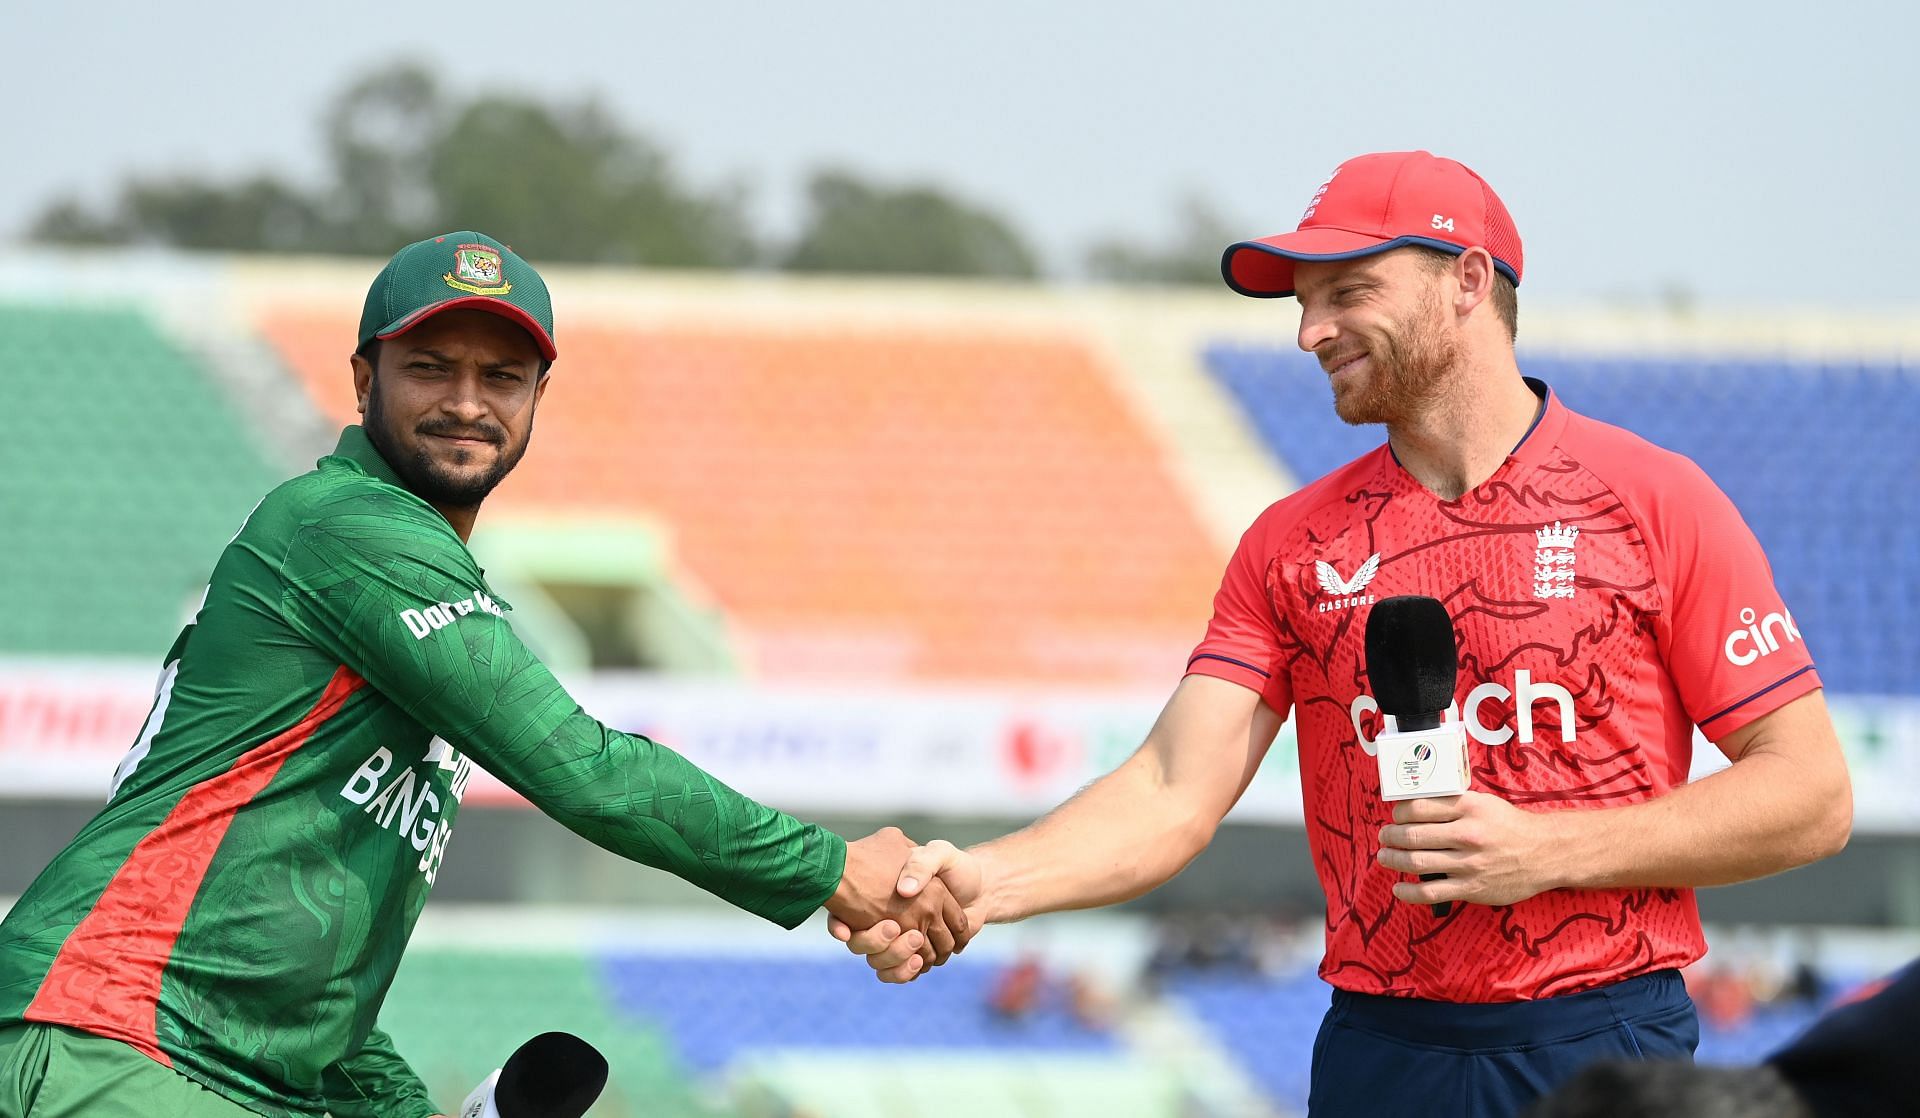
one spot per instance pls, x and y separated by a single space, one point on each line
1544 435
1540 439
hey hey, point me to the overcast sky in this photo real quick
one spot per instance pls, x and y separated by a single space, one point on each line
1751 150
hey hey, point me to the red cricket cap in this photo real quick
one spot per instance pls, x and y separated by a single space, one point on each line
1372 203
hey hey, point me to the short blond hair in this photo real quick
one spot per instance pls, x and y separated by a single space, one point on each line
1506 297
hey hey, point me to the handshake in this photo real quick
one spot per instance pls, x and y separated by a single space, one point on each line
907 908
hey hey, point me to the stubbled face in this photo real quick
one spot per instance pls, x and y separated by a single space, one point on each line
451 405
1379 329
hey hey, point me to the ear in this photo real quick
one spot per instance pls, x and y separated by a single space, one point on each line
362 382
1473 272
540 388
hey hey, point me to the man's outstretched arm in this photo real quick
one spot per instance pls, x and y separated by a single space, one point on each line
353 574
1121 836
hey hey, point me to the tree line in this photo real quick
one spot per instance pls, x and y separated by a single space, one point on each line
573 183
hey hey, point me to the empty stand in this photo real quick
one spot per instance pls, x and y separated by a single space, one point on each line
1818 459
717 1007
126 472
874 505
931 1083
1268 1024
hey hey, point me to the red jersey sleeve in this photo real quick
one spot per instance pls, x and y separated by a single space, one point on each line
1729 642
1242 644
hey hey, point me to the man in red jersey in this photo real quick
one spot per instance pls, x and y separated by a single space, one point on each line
1607 599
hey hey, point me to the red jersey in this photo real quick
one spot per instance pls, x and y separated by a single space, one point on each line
1607 598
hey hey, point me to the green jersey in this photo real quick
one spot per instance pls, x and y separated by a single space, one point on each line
239 907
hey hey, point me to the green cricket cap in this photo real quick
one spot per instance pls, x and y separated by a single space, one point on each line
457 270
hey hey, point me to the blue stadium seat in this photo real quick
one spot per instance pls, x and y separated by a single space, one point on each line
1755 1038
716 1007
1267 1024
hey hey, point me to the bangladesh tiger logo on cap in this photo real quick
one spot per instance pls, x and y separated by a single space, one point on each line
476 268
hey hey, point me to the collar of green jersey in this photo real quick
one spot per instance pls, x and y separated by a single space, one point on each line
357 448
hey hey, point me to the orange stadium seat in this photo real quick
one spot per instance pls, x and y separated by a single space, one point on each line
871 504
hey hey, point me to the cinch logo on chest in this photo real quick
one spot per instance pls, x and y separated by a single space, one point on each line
1346 591
1525 693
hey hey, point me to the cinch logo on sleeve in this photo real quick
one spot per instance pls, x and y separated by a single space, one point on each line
423 623
1758 638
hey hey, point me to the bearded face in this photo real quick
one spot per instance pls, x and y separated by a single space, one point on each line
1392 369
444 461
1380 330
450 405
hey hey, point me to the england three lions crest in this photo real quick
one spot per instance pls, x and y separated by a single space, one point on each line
1553 560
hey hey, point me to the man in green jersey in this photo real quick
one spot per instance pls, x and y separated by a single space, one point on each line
237 910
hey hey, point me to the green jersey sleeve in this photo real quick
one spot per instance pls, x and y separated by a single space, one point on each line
383 583
376 1083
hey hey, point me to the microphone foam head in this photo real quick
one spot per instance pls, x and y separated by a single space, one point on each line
1412 661
554 1075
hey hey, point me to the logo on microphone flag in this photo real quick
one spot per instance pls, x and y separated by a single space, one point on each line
1416 766
1423 762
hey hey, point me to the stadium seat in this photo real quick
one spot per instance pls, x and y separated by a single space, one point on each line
129 471
719 1007
1267 1023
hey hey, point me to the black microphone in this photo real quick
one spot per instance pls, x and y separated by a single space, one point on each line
1413 665
554 1075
